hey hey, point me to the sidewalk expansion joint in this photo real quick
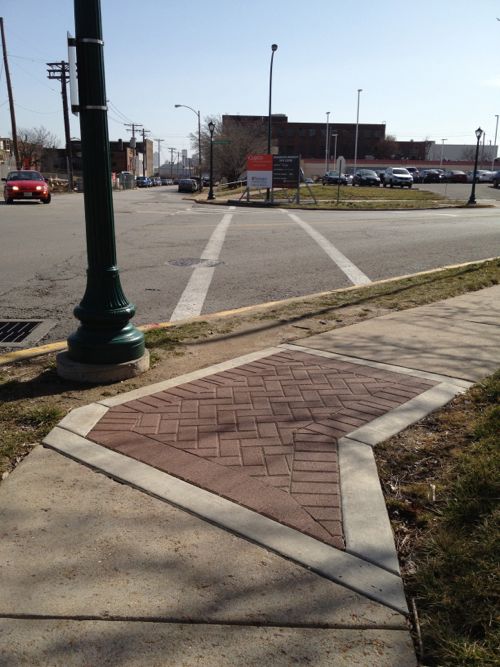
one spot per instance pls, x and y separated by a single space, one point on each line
168 620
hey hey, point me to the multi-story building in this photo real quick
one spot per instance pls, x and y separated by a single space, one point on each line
123 158
309 139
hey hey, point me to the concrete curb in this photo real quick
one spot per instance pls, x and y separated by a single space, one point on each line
370 551
369 565
20 355
343 568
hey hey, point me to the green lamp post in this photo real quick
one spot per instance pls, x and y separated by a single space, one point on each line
105 337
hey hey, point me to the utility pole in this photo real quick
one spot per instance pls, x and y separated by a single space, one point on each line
144 151
11 99
172 161
60 71
133 127
159 150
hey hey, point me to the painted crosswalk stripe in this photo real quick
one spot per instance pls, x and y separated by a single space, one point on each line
191 302
355 275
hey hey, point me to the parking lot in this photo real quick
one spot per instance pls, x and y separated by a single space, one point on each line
462 190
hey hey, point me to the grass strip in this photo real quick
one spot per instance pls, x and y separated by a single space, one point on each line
442 484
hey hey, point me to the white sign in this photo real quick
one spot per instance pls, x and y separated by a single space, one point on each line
259 179
340 164
73 82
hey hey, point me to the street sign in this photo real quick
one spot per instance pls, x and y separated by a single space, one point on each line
260 171
286 171
340 164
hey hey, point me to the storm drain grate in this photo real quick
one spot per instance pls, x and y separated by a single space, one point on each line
18 332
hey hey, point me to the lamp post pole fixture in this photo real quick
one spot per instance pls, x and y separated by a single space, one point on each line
493 157
274 48
177 106
327 142
211 128
360 90
105 347
472 198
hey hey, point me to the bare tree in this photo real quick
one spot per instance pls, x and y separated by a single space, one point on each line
386 148
31 143
235 142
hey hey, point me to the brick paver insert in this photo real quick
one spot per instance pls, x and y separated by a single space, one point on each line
263 434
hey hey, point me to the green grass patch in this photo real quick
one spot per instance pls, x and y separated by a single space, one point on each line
22 425
394 295
169 339
451 567
358 198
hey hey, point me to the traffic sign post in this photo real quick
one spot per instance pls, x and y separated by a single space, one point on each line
340 165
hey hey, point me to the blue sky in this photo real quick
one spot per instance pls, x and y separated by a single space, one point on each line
429 69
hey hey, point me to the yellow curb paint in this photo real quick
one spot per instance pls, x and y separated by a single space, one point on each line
19 355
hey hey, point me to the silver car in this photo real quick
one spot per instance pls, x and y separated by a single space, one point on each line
397 176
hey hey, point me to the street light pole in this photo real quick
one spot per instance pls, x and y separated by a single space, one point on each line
442 151
494 144
360 90
274 48
211 128
177 106
472 198
327 142
106 347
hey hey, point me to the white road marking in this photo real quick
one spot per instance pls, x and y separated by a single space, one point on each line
191 302
355 275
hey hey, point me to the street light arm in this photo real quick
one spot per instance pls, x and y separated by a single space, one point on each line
197 113
185 106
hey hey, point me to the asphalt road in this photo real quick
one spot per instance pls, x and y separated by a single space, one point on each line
178 258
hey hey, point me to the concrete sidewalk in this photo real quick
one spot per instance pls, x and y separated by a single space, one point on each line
249 527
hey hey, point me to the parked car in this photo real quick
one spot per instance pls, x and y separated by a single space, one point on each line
431 176
454 176
366 177
397 176
333 177
27 185
415 174
143 182
187 185
485 176
496 179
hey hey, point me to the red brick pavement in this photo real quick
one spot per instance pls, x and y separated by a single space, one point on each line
263 434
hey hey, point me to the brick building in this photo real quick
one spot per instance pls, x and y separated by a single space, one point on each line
309 139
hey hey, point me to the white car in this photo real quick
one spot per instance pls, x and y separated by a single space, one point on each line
485 176
482 176
397 176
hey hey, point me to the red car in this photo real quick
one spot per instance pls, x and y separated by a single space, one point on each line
25 185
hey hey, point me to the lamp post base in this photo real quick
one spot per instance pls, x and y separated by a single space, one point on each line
68 369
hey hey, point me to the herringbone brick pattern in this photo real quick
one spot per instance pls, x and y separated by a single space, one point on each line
272 425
